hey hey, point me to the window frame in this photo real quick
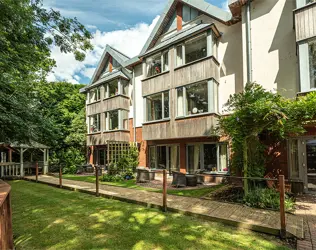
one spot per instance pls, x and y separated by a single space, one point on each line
120 120
97 92
161 55
120 87
212 102
162 106
98 123
201 156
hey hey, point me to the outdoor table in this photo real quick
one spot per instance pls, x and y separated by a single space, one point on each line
191 180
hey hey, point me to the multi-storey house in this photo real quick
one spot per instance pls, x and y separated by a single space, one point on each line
168 98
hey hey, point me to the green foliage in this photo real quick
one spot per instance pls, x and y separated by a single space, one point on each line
112 178
257 112
267 198
27 30
64 106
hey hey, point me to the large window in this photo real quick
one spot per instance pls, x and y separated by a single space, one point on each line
157 106
116 87
116 120
196 48
207 157
94 95
94 123
165 157
197 98
157 64
312 63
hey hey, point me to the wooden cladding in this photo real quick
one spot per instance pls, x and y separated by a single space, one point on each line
111 64
195 72
188 127
117 102
102 138
305 22
6 232
203 69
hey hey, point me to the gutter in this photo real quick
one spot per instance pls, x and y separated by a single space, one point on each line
248 41
134 105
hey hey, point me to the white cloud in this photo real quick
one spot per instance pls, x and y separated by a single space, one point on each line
225 5
129 41
93 27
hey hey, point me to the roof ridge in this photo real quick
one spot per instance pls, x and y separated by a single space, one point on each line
119 52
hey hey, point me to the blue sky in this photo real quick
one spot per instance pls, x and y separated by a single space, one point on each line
109 21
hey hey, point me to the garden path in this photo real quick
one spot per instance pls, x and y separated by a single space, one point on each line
259 220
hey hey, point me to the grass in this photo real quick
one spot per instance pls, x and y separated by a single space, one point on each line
45 217
200 192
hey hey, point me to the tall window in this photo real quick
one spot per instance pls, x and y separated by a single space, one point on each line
165 157
197 98
312 63
116 87
94 123
157 106
207 157
157 64
95 95
116 120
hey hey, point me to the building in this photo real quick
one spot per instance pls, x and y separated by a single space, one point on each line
168 98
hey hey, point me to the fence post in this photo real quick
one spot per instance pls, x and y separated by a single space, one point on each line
282 206
60 177
164 193
36 171
96 181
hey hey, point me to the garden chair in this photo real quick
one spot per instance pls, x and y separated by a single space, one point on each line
179 179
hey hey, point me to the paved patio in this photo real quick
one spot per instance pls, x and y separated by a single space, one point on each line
306 207
233 214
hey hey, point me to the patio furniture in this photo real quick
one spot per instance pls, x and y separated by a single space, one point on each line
144 175
179 179
191 180
200 178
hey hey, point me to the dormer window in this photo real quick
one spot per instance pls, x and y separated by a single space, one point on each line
157 64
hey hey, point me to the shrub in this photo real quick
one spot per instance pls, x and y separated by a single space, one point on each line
267 198
112 178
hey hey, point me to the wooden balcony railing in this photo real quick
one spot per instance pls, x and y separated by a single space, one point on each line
10 169
6 233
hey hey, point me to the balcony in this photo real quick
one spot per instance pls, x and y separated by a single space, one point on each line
112 103
156 83
102 138
305 22
198 126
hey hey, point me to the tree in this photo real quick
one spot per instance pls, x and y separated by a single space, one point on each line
27 30
255 112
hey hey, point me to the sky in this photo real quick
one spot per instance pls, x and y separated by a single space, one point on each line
123 24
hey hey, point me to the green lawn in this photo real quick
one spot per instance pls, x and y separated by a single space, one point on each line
45 217
132 184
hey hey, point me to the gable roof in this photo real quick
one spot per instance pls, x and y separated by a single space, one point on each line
117 55
201 5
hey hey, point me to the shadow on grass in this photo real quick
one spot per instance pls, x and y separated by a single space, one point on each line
48 218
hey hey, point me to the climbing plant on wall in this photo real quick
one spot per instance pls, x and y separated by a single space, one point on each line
256 112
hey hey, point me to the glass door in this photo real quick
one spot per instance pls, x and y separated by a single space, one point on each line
311 164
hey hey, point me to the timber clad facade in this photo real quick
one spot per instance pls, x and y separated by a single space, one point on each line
167 100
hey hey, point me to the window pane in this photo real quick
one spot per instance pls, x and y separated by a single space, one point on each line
113 120
102 157
113 88
153 65
125 119
210 157
197 98
195 49
94 123
193 158
166 104
179 59
294 158
180 108
161 157
174 153
312 63
166 61
152 156
125 85
223 157
154 107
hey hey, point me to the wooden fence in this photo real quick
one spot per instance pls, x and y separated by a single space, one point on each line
10 169
6 234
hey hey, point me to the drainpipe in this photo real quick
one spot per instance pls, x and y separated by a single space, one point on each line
134 105
248 41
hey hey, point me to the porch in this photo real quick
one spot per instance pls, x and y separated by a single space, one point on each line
18 160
